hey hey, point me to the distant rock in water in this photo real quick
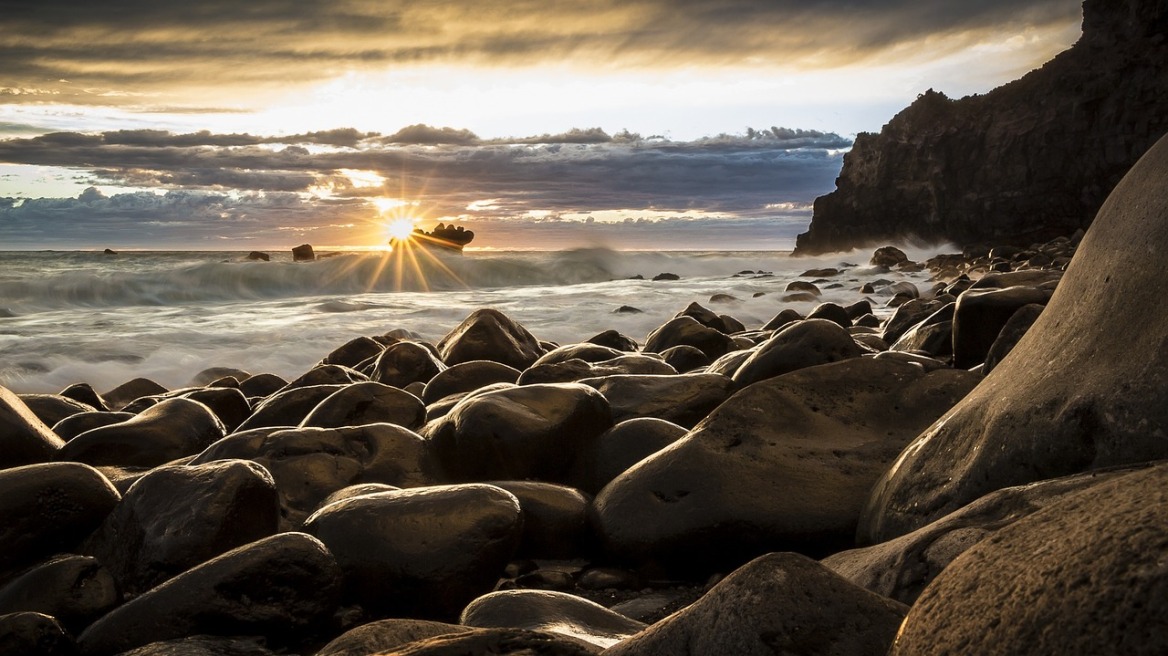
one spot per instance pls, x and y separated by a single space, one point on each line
445 237
110 251
303 253
256 255
1030 160
666 276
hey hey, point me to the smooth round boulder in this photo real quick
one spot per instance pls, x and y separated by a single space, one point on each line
555 520
74 425
170 430
262 385
34 634
798 345
73 589
203 646
785 463
353 352
529 432
367 403
85 393
704 316
616 340
24 439
405 362
683 399
497 641
583 351
424 552
906 316
385 635
1085 575
52 408
308 464
326 374
1011 333
288 407
980 316
467 377
1082 390
488 334
685 330
779 603
49 508
573 370
176 517
281 587
358 490
122 395
832 312
621 447
685 358
551 612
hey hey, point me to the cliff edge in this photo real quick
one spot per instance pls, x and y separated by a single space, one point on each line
1027 161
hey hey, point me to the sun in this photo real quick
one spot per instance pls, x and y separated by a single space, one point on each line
400 229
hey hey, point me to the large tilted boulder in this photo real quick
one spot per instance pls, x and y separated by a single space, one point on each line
1083 389
1085 575
24 439
488 334
784 464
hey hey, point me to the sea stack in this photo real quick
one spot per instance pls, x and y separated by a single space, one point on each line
303 253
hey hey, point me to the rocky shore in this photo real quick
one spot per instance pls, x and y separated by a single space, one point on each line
976 473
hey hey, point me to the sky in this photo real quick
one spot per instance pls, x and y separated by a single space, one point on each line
653 124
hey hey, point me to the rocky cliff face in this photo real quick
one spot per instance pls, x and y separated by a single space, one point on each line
1029 160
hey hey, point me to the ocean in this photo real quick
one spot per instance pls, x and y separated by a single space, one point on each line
79 316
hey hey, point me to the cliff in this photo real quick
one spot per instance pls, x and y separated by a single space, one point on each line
1030 160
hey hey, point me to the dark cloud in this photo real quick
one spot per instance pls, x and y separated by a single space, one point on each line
215 180
81 50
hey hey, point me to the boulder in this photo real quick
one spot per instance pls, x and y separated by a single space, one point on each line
353 352
204 645
779 603
1011 333
888 257
303 253
529 432
262 385
832 312
980 316
614 339
386 635
906 316
85 393
569 371
785 463
24 439
1084 389
584 351
288 407
621 447
326 374
177 517
688 331
49 508
424 552
803 344
488 334
34 634
282 587
1085 575
685 358
172 429
212 374
120 396
406 362
467 377
75 590
683 399
555 520
308 464
52 408
497 641
704 316
367 403
782 319
551 612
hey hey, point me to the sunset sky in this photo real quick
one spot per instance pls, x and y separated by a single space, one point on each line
625 123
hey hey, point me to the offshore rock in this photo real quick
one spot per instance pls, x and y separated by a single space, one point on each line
1032 159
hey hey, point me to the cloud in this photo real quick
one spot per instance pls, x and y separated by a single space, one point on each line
248 184
83 52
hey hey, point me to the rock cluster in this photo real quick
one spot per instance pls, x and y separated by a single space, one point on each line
404 497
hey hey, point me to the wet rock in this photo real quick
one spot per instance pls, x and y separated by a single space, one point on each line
308 464
555 519
24 439
796 606
442 407
858 309
326 374
906 316
386 635
833 313
683 399
569 371
621 447
685 358
177 517
1011 333
367 403
52 408
424 552
583 351
281 587
34 634
804 344
801 286
1083 390
212 374
933 335
77 424
498 641
529 432
925 362
783 464
75 590
404 363
262 385
288 407
783 318
551 612
723 298
123 394
203 646
688 331
1090 565
666 276
980 316
488 334
303 253
616 340
467 377
48 508
172 429
353 352
85 393
888 257
627 309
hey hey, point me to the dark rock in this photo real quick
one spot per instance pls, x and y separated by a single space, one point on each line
785 463
303 253
85 393
52 408
257 255
488 334
585 351
980 316
552 612
681 399
262 385
925 362
353 352
172 429
732 325
308 464
783 318
358 490
685 358
933 335
1011 333
832 312
175 518
326 374
1083 390
723 298
870 342
627 309
804 344
888 257
858 309
211 374
569 371
442 407
467 377
289 407
614 339
404 363
386 635
120 396
704 316
75 425
820 273
666 276
799 297
24 439
867 321
796 606
621 447
497 641
800 286
34 634
424 552
906 316
1041 279
228 403
73 589
281 587
48 508
529 432
1090 564
687 330
612 578
555 519
203 646
367 403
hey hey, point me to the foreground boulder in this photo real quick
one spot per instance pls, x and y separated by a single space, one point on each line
75 590
780 603
1083 389
785 463
803 344
34 634
367 403
24 439
1085 575
687 331
170 430
553 612
488 334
